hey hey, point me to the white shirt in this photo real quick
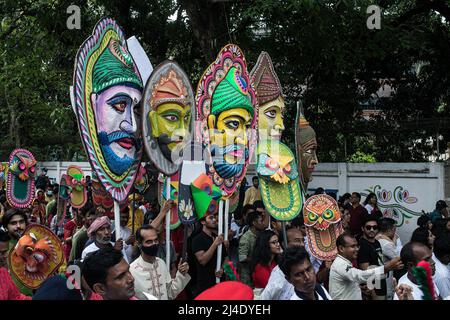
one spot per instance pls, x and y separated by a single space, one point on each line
316 263
278 288
89 249
154 279
296 297
442 277
345 279
389 250
127 251
369 208
416 292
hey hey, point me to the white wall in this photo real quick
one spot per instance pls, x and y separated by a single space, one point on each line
424 183
403 189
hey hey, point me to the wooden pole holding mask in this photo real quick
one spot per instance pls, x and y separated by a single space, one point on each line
132 213
117 219
219 232
168 224
226 218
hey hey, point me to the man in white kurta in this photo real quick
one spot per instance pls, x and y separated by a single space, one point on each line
344 278
151 274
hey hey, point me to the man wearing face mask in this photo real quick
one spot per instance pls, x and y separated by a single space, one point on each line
151 273
100 231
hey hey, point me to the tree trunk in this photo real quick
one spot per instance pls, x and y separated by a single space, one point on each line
209 25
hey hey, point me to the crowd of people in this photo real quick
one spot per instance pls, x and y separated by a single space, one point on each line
272 259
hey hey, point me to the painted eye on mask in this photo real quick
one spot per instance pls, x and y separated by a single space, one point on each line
171 117
120 106
232 124
119 103
312 216
32 169
271 114
22 166
328 214
271 164
74 182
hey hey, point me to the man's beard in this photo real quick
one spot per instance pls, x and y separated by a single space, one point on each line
224 169
104 240
115 163
17 234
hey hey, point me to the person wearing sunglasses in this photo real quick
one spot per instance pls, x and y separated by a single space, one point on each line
370 255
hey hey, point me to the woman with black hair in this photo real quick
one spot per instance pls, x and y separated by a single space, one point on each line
371 205
265 257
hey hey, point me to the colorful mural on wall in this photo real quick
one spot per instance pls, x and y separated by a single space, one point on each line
394 204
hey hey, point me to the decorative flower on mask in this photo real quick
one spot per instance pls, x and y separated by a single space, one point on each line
278 167
186 208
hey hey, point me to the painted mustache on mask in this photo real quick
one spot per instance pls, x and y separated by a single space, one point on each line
165 139
124 139
225 169
238 151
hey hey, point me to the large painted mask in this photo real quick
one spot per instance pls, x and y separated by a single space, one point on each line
21 173
37 255
107 90
270 99
226 112
280 190
306 143
77 185
323 226
167 116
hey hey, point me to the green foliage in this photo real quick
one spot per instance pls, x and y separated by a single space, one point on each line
361 157
323 53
